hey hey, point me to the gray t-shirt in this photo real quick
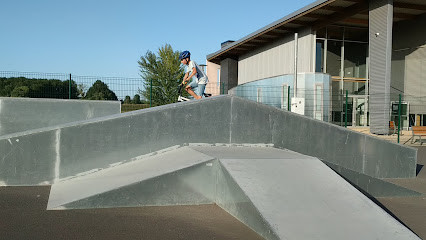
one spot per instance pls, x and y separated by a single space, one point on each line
200 77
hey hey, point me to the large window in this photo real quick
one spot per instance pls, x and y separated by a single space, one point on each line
334 58
319 61
342 52
355 64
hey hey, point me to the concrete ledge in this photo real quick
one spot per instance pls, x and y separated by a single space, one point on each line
373 186
43 156
22 114
256 123
69 149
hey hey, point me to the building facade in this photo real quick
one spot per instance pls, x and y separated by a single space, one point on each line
372 52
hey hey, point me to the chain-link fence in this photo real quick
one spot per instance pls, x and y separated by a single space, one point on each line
69 86
340 107
330 105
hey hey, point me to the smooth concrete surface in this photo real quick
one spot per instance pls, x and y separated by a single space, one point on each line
292 194
355 151
113 178
276 195
42 157
231 198
373 186
22 114
24 216
194 185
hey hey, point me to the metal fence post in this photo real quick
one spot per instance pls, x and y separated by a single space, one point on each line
150 95
288 99
69 88
399 116
346 110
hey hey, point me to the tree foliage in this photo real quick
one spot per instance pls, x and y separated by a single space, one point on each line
137 99
37 88
127 100
100 91
165 72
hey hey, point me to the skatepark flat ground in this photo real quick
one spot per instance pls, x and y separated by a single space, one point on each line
24 216
411 210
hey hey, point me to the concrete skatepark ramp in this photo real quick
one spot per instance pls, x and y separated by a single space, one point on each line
278 193
129 160
37 157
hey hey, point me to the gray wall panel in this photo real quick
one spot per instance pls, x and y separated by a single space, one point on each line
228 74
29 159
348 148
65 150
352 150
22 114
373 186
70 149
380 39
250 123
142 132
317 139
388 160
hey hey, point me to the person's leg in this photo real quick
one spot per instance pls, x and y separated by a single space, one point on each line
192 93
201 88
190 89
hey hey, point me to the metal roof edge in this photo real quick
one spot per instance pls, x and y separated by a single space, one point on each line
291 15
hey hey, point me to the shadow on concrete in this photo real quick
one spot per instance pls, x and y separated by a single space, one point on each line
419 168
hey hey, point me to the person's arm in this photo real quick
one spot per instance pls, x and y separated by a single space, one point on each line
186 77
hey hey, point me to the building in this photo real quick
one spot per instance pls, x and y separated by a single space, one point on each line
373 51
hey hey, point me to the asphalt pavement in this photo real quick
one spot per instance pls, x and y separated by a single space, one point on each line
411 210
23 215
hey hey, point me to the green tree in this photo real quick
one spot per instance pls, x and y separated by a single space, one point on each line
137 99
100 91
127 100
37 88
21 91
165 72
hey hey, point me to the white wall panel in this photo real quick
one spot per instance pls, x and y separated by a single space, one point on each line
305 57
277 58
272 60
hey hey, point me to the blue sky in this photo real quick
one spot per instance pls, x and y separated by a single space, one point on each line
107 38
